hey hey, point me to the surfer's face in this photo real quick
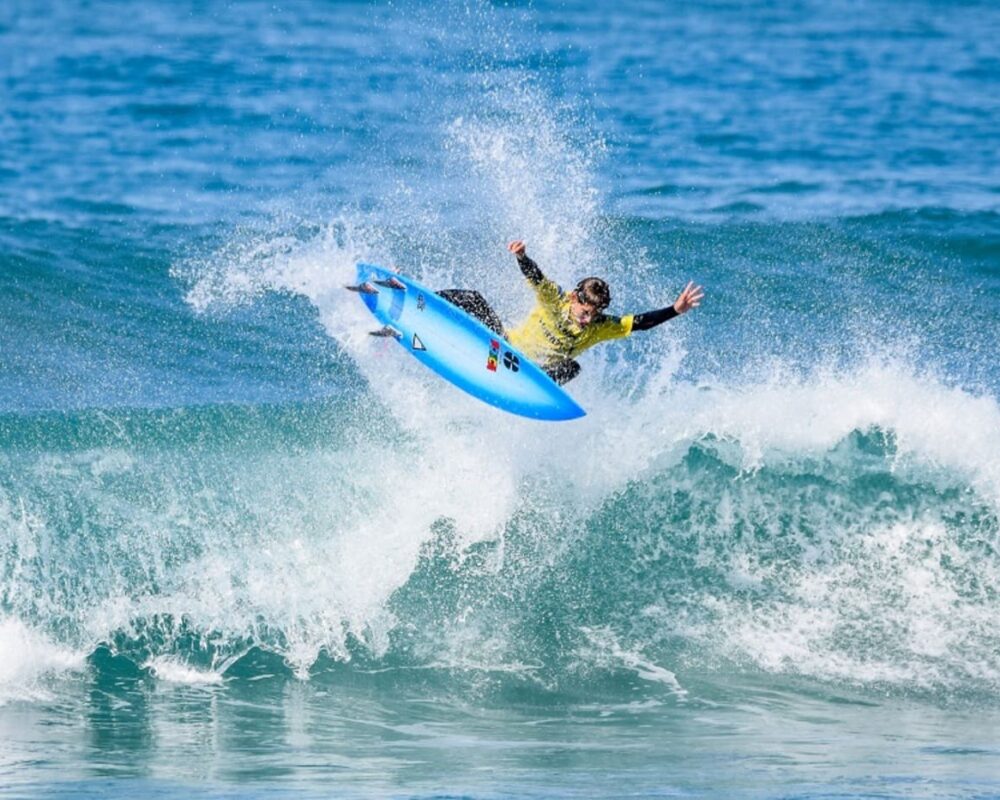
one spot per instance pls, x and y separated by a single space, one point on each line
582 313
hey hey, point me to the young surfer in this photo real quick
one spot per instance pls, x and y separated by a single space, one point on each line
564 324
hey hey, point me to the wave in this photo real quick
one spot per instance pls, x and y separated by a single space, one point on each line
828 518
841 528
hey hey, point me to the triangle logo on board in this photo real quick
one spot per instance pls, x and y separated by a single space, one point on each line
417 344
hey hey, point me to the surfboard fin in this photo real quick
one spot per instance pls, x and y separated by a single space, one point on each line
363 288
388 330
391 283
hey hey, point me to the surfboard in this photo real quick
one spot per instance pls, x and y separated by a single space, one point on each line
459 347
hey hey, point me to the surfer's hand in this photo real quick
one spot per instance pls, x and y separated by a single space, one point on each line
517 248
689 298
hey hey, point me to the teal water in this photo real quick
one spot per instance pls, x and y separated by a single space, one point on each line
247 551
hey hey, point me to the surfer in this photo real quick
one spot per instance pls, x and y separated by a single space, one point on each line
564 324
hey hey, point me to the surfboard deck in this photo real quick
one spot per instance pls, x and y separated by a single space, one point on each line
460 348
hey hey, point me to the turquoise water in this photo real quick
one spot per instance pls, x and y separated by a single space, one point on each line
245 550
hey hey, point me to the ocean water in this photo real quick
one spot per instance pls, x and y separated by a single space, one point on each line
248 551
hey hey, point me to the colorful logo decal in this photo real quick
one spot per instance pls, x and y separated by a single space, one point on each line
494 356
511 361
421 303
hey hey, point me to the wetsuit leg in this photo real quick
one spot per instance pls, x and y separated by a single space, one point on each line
562 371
475 304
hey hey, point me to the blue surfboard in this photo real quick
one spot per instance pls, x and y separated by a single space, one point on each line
460 348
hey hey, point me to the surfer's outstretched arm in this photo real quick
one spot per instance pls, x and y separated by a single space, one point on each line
528 267
688 299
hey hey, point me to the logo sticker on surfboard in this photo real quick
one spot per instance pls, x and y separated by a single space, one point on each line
494 357
417 344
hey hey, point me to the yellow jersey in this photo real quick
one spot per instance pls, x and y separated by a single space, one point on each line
550 333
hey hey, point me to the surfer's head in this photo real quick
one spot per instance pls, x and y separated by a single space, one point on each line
586 302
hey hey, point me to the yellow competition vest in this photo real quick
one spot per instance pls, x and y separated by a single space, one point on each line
550 333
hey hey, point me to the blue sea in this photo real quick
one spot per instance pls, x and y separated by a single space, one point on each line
247 550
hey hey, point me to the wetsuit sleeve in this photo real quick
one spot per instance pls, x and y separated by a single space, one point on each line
650 319
548 292
608 328
530 270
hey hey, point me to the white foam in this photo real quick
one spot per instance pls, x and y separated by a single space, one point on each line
931 424
605 650
886 607
28 659
173 669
